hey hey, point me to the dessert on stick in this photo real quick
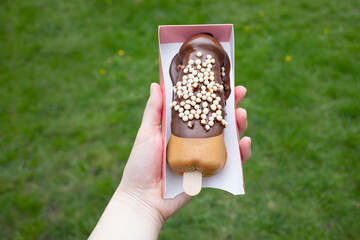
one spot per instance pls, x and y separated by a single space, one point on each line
201 86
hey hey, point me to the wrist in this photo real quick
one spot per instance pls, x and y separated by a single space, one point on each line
128 217
145 212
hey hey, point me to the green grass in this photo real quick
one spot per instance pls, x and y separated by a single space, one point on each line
66 130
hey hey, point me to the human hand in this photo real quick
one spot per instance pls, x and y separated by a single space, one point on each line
139 195
142 174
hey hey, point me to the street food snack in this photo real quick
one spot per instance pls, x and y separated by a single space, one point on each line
201 86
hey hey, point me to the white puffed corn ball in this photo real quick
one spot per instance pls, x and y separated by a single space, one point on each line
219 107
199 95
218 112
210 65
209 99
195 79
222 69
219 117
201 79
181 109
203 122
191 76
215 88
193 103
208 70
183 88
211 123
191 69
208 61
184 77
199 54
221 87
205 104
206 82
223 74
194 73
182 103
186 70
191 62
211 118
208 56
198 67
213 107
204 64
185 118
212 73
191 116
179 83
218 98
184 82
188 101
192 98
191 80
206 74
203 116
196 106
212 78
213 95
197 116
190 124
205 110
199 111
200 75
198 62
192 111
186 96
198 100
213 115
176 107
204 98
186 112
215 102
213 60
207 127
181 115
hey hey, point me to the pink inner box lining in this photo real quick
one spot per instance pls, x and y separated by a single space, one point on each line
179 33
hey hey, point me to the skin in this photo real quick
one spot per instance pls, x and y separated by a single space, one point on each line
137 209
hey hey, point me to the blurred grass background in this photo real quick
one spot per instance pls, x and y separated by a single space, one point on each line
74 80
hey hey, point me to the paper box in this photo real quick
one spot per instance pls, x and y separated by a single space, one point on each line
170 40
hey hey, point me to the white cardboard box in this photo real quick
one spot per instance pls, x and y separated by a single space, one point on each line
171 38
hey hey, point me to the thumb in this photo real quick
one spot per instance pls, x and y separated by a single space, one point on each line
153 109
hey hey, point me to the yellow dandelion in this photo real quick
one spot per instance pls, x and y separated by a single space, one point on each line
326 31
261 14
246 28
107 1
121 52
102 72
288 58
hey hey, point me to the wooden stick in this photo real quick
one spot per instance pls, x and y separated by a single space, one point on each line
192 182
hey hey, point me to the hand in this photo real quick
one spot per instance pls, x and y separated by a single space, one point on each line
142 174
137 209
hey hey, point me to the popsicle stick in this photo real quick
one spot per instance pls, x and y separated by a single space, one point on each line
192 182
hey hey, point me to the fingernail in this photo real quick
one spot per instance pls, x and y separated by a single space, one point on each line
152 88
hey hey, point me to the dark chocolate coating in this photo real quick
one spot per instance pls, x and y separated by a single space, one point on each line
207 45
